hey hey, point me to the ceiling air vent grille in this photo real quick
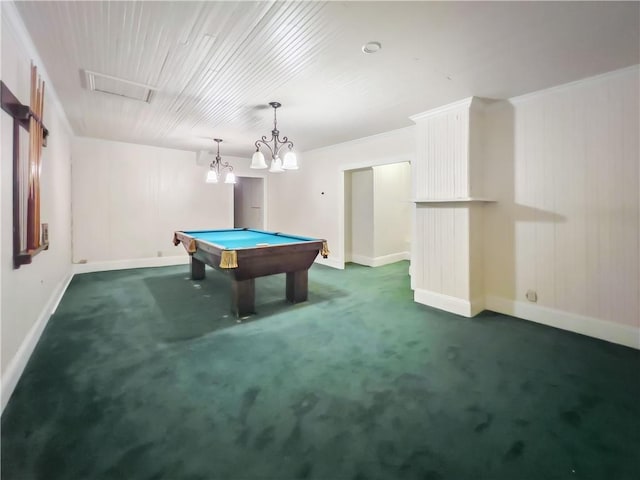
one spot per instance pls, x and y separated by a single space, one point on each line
98 82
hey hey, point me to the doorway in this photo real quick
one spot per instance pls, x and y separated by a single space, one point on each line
378 219
248 203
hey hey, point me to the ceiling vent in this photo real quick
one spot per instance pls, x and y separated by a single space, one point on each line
98 82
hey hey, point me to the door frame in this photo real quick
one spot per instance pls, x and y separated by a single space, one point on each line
342 200
264 199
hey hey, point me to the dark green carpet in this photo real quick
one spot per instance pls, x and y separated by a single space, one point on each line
142 374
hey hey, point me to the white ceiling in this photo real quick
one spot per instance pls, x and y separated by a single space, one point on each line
216 65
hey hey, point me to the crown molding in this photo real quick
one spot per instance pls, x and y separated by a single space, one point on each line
464 103
565 86
361 140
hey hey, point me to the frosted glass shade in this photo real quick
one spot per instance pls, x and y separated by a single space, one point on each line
290 161
257 161
212 176
230 178
276 165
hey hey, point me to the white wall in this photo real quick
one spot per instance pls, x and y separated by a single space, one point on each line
128 199
441 264
348 217
392 210
442 137
29 294
563 165
310 201
362 216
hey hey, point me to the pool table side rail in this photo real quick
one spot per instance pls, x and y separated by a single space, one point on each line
260 262
191 243
280 234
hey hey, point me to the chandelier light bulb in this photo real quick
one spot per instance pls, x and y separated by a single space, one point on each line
257 161
276 165
290 161
212 176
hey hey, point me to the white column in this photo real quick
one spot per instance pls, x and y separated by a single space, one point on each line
449 198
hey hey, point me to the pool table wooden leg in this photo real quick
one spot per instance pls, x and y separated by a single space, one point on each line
297 286
243 293
197 269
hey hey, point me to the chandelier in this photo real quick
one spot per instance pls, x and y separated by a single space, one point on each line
213 174
274 145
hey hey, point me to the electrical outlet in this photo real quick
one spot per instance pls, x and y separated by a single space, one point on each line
532 295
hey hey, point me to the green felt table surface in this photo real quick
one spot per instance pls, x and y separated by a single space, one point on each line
245 238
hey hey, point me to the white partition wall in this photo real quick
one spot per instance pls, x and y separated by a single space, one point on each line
362 217
564 167
531 207
449 196
30 294
392 212
127 200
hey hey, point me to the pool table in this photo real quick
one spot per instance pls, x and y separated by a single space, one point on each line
247 254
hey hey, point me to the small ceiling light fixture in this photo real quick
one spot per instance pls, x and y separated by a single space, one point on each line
371 47
290 161
214 169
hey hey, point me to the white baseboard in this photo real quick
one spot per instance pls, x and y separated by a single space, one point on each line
362 260
126 264
330 262
444 302
19 361
392 258
477 306
626 335
162 262
380 261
